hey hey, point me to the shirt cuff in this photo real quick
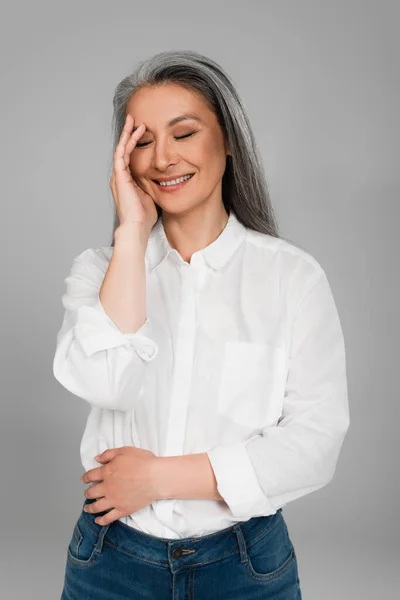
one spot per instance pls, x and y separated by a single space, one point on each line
95 331
237 481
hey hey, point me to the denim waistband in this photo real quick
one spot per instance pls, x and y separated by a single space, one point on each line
177 553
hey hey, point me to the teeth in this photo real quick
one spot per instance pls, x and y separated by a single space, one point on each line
174 181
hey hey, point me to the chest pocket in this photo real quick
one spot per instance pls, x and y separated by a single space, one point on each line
252 383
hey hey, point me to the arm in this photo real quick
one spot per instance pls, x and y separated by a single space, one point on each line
189 476
123 292
95 358
299 455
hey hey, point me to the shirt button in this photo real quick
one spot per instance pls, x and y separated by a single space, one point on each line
177 553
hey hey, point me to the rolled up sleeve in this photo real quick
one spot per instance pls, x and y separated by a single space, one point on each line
93 358
299 455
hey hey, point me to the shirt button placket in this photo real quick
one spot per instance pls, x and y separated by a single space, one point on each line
182 377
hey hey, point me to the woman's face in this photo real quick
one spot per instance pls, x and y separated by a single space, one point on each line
160 153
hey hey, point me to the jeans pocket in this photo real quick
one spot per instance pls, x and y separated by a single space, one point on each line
83 548
272 555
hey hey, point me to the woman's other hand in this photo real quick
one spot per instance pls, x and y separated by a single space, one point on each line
123 485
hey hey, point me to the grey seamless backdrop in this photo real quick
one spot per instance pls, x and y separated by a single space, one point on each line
320 83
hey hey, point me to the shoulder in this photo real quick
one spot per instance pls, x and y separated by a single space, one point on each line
287 257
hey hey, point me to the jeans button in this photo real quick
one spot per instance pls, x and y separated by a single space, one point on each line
177 553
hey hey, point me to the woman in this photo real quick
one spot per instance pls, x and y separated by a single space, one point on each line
210 351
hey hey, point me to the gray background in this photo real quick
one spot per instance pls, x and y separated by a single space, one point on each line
320 83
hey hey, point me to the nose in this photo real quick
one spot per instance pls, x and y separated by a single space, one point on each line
163 155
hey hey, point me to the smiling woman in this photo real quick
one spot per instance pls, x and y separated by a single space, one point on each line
209 349
185 154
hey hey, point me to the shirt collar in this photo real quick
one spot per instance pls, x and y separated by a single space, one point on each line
216 254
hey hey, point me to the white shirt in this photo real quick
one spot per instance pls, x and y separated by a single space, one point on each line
242 356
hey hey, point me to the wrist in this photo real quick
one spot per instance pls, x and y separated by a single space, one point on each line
159 477
133 235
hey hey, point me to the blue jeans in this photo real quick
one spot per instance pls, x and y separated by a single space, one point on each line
249 560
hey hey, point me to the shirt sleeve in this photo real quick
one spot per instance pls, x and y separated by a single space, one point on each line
93 358
298 456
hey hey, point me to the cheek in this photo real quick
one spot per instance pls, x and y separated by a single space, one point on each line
216 163
211 158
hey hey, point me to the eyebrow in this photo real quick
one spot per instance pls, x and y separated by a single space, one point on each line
175 120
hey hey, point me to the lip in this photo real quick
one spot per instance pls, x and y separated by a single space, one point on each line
172 188
171 178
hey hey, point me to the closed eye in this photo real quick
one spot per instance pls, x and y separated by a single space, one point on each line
182 137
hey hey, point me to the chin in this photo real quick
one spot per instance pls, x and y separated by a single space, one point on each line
177 208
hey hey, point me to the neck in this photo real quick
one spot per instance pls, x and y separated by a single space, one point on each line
194 230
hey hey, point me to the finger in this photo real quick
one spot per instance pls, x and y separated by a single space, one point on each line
92 475
128 151
111 516
133 140
112 184
100 504
120 151
109 454
95 491
119 163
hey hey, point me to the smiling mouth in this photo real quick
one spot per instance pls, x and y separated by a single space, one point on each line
168 184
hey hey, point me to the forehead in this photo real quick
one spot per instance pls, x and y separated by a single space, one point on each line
159 104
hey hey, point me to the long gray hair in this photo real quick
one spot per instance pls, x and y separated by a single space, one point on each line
244 186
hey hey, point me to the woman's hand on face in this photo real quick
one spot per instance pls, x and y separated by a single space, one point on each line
132 203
